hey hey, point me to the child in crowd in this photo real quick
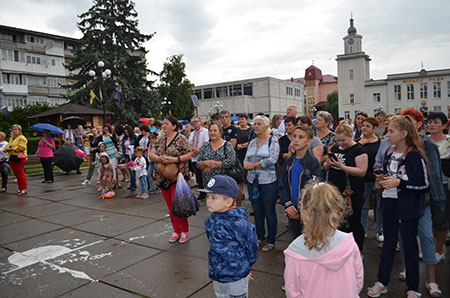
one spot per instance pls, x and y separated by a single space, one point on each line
107 172
323 262
100 149
300 167
141 172
233 242
153 189
3 161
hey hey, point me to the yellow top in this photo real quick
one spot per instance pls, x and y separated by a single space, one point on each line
19 145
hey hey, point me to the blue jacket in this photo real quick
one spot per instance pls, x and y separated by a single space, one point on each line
414 183
233 245
133 142
311 169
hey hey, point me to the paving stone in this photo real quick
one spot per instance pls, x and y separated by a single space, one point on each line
77 216
24 229
197 247
45 210
14 203
99 289
164 275
7 218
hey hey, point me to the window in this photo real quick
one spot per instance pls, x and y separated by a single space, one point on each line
208 93
352 99
222 91
4 55
347 114
376 97
437 89
437 109
289 90
298 92
53 62
423 90
235 90
28 59
351 74
448 88
38 60
397 92
409 91
248 89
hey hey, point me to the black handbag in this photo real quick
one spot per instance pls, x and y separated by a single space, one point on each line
15 158
446 166
236 172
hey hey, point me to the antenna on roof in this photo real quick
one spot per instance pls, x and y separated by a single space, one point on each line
313 62
421 65
351 15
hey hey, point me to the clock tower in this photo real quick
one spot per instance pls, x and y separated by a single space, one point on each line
353 72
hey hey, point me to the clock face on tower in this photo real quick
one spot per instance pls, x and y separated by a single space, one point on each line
351 41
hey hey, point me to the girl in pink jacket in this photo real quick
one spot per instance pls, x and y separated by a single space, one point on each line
323 262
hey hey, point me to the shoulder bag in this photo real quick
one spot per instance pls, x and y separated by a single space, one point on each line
170 171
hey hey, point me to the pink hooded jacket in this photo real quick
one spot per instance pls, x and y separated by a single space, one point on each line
336 273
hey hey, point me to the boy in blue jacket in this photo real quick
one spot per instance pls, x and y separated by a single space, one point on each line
234 245
298 169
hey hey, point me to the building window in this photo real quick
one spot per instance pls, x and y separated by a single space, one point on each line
347 115
397 92
437 109
222 91
53 62
298 92
351 74
376 97
409 91
437 89
423 90
248 89
289 91
208 93
198 92
235 90
352 98
448 88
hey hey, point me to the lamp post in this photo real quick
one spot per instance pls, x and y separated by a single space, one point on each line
165 102
104 75
215 110
379 107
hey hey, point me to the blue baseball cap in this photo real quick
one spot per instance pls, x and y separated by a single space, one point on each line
222 185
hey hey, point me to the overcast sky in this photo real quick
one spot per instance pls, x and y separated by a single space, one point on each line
224 40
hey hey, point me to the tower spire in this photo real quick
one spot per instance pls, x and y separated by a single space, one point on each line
351 29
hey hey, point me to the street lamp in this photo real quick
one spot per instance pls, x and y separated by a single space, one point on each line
216 109
166 102
104 75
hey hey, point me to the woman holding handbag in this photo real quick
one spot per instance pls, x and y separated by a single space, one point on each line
216 155
347 165
171 153
17 150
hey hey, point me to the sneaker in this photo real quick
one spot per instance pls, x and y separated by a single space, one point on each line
99 188
184 237
139 195
86 182
173 238
380 237
144 196
440 257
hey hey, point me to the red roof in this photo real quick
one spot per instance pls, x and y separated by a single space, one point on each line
329 79
313 73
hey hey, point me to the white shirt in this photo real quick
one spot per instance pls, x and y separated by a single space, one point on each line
198 139
392 169
140 167
2 153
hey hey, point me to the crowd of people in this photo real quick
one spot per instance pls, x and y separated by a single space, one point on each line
327 175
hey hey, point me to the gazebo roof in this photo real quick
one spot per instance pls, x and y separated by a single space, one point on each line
71 109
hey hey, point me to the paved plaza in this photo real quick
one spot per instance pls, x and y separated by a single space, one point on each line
59 240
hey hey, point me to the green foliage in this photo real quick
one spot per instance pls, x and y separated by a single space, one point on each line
176 88
332 105
20 116
111 34
32 145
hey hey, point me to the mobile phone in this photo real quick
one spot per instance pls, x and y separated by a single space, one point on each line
378 171
333 156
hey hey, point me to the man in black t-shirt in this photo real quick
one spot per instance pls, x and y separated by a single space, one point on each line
230 132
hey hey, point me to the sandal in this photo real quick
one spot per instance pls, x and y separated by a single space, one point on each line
21 193
268 247
261 243
413 294
402 275
377 290
3 189
433 289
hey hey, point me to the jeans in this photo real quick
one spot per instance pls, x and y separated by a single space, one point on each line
151 167
143 184
132 173
48 169
408 229
426 238
264 209
365 212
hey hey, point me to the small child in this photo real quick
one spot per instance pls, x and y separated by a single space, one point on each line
151 166
323 262
141 172
233 242
100 149
107 172
299 168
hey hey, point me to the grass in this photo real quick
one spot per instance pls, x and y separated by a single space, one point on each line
41 170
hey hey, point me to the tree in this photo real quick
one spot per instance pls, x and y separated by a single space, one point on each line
110 34
20 116
176 88
332 105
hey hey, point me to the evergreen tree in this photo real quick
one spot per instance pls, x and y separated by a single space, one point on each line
176 88
332 105
110 34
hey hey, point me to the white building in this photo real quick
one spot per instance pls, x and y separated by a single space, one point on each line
424 90
31 67
252 96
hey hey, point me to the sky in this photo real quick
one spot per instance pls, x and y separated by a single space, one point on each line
227 40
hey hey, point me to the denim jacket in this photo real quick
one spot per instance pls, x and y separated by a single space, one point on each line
267 155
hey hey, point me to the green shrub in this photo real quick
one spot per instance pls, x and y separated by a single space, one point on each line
32 145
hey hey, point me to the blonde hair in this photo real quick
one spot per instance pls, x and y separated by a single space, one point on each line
412 139
265 121
344 128
325 208
17 126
